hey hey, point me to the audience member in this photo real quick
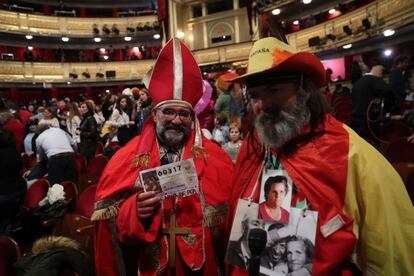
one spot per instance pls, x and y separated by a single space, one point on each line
12 185
73 121
365 90
54 145
48 118
221 132
30 137
88 131
232 147
399 83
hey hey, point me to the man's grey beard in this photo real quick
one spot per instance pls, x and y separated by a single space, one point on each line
275 129
169 138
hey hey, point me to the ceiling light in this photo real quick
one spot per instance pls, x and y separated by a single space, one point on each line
127 38
388 32
387 52
97 39
65 39
347 46
157 36
30 48
180 34
102 49
331 11
296 22
307 2
29 37
276 11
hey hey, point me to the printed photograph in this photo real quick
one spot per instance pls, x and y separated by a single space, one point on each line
289 249
275 196
245 225
150 181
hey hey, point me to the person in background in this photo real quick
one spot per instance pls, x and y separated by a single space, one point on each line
120 119
108 105
12 185
30 137
233 146
54 147
88 131
399 83
48 118
39 114
10 122
143 108
220 132
229 101
73 121
371 86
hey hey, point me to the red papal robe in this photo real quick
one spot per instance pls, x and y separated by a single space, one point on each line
341 174
123 242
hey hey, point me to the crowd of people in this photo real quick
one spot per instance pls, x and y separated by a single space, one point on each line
274 117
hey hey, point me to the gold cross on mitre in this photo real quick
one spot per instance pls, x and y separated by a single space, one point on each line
173 231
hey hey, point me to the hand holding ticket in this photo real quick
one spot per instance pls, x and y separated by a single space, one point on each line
174 179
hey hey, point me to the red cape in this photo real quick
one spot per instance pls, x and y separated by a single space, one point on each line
319 172
116 209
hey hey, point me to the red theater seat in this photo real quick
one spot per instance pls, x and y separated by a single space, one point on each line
9 254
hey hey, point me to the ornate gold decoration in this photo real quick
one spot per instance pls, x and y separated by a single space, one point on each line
198 152
215 215
141 161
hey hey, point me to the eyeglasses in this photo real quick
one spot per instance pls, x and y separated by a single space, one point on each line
171 114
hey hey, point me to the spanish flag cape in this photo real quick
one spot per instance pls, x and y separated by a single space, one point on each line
122 241
341 174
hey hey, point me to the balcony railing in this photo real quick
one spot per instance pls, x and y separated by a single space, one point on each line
380 15
25 23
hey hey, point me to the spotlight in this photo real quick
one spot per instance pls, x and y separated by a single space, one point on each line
347 30
388 32
388 52
29 37
97 39
180 34
65 39
276 11
30 48
127 38
296 22
136 49
331 11
156 36
102 50
307 2
105 57
347 46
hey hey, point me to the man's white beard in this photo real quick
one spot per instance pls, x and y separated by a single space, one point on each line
275 130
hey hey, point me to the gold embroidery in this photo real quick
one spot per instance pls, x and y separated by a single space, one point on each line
215 215
190 239
198 152
141 161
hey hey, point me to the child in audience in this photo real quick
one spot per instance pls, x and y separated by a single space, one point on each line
233 146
